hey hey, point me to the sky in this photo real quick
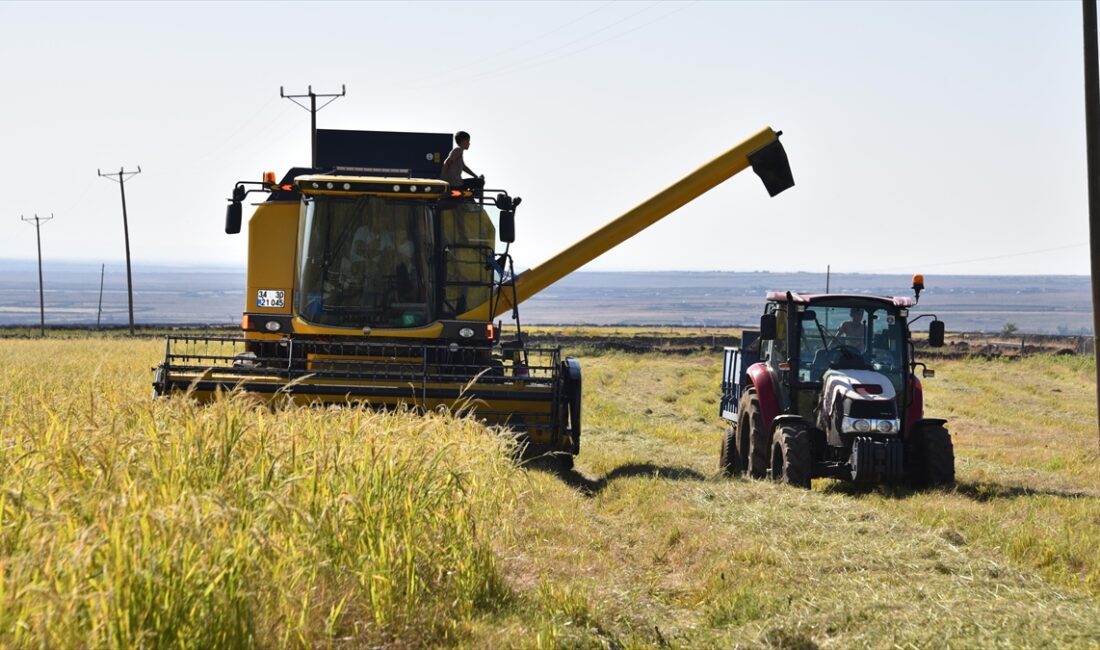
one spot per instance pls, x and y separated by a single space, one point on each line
932 137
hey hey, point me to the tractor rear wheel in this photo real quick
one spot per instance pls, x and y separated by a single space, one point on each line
729 461
931 457
790 457
753 442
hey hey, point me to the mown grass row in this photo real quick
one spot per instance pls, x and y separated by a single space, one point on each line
648 547
126 522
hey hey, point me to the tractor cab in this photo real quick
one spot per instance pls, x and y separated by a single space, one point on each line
835 372
819 337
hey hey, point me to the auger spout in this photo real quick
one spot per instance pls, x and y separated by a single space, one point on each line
763 152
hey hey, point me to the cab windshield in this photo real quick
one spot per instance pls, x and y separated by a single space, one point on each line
865 337
366 261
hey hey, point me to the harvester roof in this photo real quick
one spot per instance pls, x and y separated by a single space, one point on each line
811 298
350 185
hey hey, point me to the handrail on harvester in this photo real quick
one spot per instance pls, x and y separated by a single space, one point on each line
763 152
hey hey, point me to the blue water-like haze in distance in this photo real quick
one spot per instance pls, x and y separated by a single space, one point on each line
185 295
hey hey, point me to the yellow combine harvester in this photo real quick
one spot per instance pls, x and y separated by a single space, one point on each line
371 281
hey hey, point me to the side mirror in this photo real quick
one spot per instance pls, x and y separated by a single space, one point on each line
767 327
507 206
233 218
508 226
935 334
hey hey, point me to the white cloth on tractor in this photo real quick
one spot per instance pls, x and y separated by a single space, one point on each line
841 383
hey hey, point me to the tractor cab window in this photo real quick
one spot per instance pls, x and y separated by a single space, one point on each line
366 261
845 337
777 350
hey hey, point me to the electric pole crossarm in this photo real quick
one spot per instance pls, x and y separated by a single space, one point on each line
313 108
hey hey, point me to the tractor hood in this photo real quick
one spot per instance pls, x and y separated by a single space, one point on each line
857 384
858 401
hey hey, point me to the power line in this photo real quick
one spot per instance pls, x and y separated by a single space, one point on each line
313 108
38 221
525 43
123 176
524 63
613 37
978 259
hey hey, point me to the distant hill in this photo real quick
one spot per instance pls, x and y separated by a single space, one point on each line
185 295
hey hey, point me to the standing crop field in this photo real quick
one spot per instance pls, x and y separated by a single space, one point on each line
127 522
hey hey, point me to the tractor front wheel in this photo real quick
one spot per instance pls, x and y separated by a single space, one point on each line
753 442
729 461
790 458
931 457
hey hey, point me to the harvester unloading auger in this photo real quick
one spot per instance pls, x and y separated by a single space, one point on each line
371 281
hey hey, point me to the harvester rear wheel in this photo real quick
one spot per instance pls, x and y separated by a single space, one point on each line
729 461
790 458
931 457
753 443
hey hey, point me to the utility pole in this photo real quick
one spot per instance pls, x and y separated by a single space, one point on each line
1092 151
99 310
828 272
313 108
41 293
123 176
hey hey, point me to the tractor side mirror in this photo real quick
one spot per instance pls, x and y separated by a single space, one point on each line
233 218
767 327
935 334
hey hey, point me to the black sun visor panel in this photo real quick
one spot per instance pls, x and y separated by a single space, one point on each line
383 153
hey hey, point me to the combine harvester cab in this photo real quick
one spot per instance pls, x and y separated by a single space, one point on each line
828 387
373 282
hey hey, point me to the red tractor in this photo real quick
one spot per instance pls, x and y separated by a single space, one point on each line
828 388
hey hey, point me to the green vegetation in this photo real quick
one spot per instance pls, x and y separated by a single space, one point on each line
126 522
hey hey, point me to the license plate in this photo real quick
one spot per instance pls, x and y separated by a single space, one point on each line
270 298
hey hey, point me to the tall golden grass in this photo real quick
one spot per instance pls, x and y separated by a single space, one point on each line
128 522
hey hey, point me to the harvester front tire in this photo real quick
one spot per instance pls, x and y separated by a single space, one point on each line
931 457
753 443
790 458
729 461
